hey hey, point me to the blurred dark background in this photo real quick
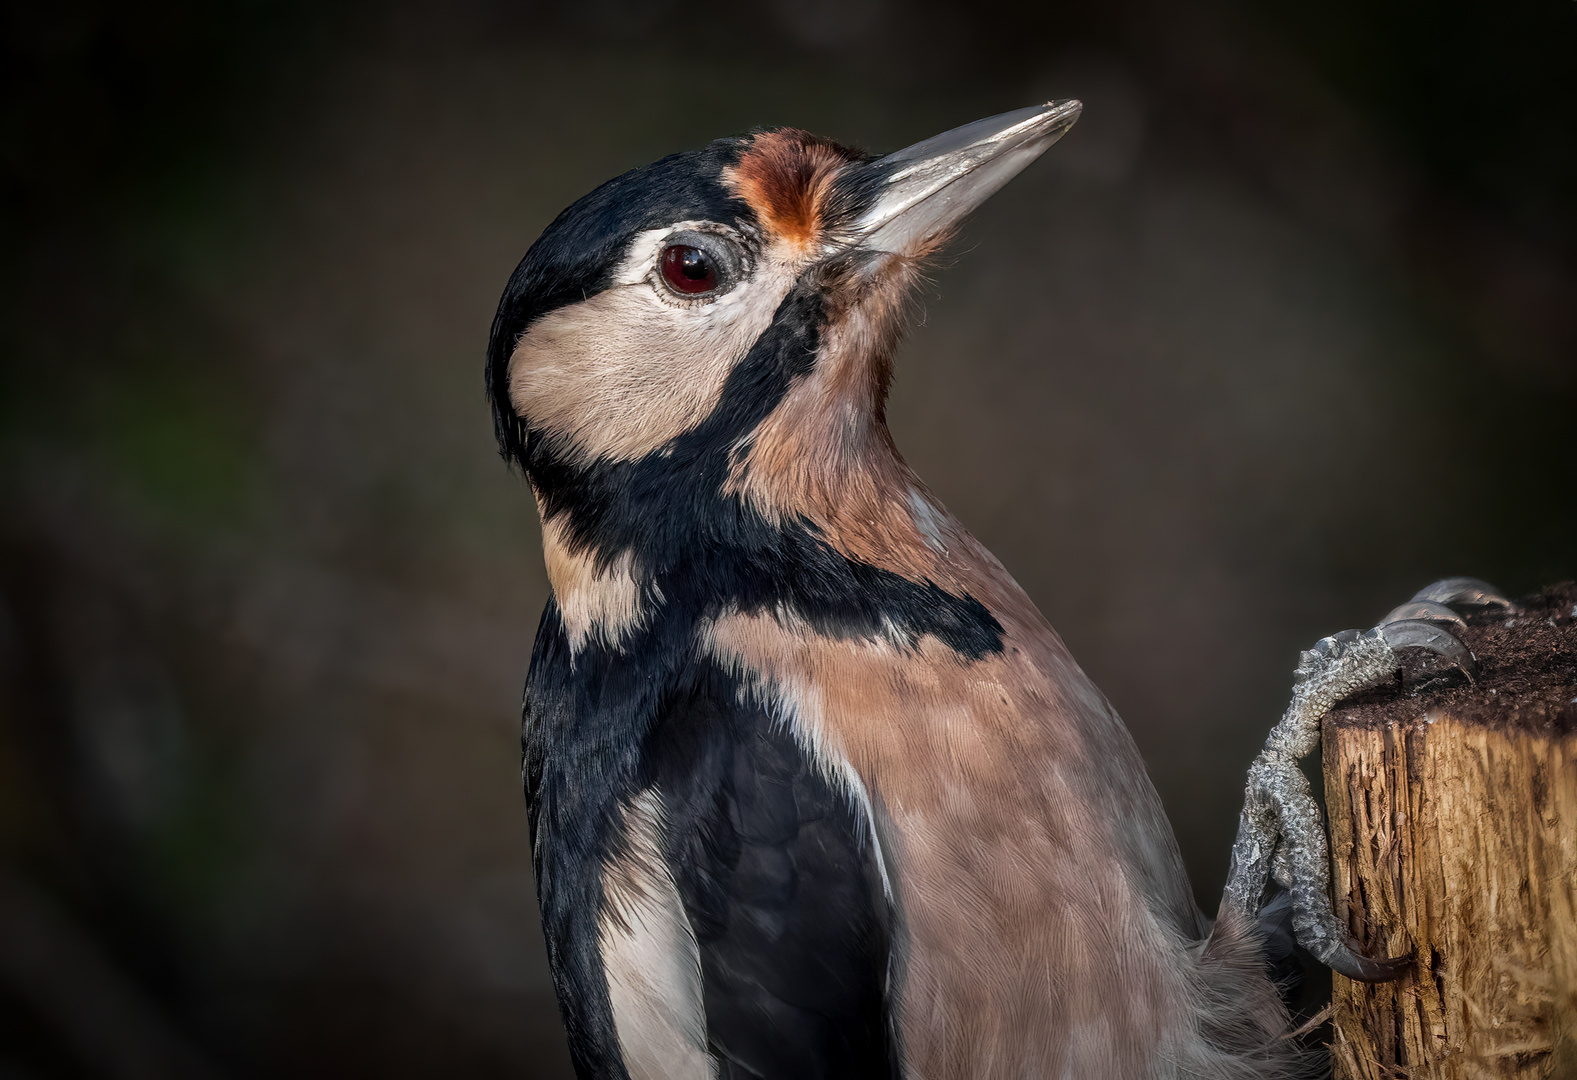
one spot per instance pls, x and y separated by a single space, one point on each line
1284 329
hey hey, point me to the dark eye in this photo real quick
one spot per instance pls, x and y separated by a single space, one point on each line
701 264
689 269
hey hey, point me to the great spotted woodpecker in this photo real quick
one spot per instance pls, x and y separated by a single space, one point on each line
815 790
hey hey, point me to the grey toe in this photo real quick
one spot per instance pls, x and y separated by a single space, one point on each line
1336 644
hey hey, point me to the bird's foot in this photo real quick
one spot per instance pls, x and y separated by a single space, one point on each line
1280 832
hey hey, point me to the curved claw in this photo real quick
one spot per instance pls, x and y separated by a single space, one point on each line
1463 592
1346 960
1419 634
1425 611
1281 833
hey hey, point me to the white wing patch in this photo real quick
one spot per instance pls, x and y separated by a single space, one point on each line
649 954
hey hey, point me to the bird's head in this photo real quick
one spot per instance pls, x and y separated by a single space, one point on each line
721 322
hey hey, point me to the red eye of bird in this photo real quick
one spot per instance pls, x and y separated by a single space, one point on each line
689 269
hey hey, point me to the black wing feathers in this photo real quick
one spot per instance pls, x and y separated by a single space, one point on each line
780 884
573 827
784 895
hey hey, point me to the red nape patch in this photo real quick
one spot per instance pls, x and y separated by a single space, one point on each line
787 178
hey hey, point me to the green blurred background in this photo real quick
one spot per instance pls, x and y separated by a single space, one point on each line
1284 329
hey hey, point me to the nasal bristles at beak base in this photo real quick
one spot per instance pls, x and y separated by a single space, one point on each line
788 178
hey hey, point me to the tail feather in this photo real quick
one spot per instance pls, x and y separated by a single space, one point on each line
1281 948
1242 1011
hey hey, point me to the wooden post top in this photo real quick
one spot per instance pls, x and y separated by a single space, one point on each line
1525 678
1453 813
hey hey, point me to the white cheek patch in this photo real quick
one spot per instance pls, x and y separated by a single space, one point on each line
622 373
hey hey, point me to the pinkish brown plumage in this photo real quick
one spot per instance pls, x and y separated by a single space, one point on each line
815 789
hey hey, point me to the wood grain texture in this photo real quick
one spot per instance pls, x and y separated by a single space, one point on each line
1457 840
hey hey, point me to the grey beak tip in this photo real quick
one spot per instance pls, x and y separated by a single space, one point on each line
933 184
1063 110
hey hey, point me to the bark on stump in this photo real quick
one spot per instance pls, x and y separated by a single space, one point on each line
1453 814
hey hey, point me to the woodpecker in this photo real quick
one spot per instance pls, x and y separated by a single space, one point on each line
814 789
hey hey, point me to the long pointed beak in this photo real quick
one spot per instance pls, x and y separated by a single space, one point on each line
933 185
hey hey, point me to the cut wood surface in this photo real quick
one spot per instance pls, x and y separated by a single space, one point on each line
1453 815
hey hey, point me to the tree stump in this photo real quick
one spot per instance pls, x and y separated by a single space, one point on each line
1453 815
